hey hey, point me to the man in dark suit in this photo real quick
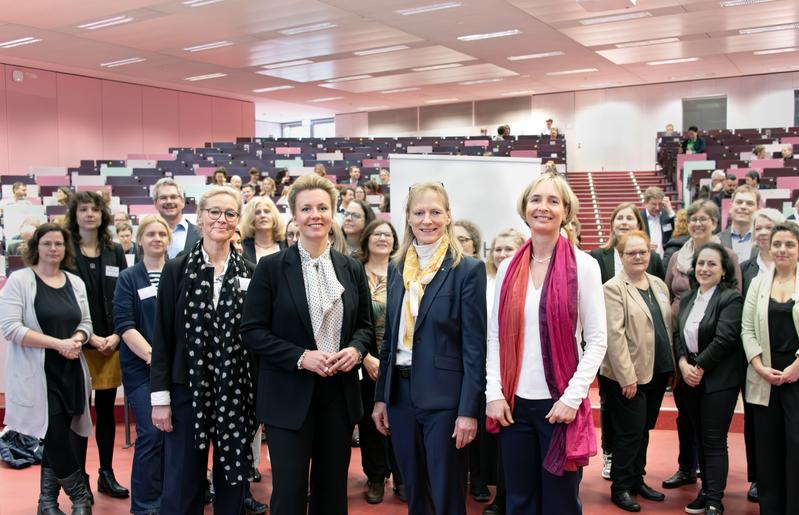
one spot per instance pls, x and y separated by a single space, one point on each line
739 236
169 201
693 144
658 216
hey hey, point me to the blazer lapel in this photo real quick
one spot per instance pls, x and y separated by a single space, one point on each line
683 317
296 284
708 324
395 298
664 304
340 265
431 289
633 293
610 263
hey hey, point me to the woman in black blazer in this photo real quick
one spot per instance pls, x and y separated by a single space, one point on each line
262 229
308 319
198 314
710 357
98 261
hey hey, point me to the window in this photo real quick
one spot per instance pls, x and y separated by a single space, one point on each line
706 112
295 130
323 128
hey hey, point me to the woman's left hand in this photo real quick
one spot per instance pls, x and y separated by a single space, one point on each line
111 344
465 431
560 413
791 373
343 360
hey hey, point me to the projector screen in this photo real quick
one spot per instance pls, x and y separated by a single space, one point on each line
483 190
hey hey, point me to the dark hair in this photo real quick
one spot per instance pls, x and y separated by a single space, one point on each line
611 243
752 174
693 128
368 212
730 177
363 255
728 279
95 199
787 226
30 252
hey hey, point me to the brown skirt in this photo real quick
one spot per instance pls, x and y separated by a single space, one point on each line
104 370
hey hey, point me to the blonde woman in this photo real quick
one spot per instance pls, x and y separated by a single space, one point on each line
263 231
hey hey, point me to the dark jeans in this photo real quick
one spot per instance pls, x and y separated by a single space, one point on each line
377 453
711 414
531 490
688 458
147 472
632 419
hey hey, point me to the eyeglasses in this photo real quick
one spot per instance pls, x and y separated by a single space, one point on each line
464 239
699 219
354 216
54 244
382 235
636 253
214 213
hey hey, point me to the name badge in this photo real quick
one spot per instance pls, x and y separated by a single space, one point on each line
244 283
111 271
668 227
130 259
148 292
662 296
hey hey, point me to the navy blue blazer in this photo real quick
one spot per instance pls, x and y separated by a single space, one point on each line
133 312
449 342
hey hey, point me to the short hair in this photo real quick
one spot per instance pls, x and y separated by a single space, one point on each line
30 250
708 206
354 167
624 238
222 170
124 226
248 185
320 167
718 174
769 212
407 240
728 267
363 255
97 200
745 188
312 182
693 128
219 190
166 181
653 192
254 171
149 220
247 222
752 174
549 120
611 244
17 185
570 202
474 233
271 181
518 239
731 177
758 149
787 226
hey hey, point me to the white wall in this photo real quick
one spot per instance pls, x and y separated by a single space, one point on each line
264 129
352 125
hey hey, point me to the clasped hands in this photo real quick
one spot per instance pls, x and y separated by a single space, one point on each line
777 378
500 411
70 347
327 364
692 375
106 345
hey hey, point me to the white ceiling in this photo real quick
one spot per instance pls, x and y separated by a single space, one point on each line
250 30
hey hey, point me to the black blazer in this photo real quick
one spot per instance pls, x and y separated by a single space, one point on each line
607 266
169 363
248 245
110 256
666 226
192 235
721 352
699 145
276 326
449 340
749 270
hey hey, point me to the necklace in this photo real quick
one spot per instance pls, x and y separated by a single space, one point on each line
544 260
265 247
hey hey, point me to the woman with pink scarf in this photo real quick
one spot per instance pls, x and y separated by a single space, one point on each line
537 373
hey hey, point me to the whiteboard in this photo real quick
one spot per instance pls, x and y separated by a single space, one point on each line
483 190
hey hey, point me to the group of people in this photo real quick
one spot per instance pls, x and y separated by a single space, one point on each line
440 358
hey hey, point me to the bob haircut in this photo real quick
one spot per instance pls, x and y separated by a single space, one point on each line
474 233
247 223
363 255
312 182
30 254
407 240
219 190
787 226
621 242
570 203
149 220
611 244
708 206
728 267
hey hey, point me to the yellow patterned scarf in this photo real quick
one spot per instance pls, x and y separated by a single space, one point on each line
415 281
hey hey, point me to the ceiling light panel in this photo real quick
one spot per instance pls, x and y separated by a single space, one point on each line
648 42
308 28
208 46
200 3
20 42
775 51
616 18
400 90
517 93
738 3
535 56
383 50
287 64
273 88
481 81
674 61
428 8
326 99
490 35
771 28
108 22
441 100
371 108
572 72
436 67
346 79
123 62
205 77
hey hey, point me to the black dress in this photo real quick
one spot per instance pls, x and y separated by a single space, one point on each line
94 293
58 313
780 322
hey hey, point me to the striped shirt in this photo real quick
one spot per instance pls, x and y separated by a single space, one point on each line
155 278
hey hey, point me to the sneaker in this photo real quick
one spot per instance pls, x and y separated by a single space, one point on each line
606 462
698 505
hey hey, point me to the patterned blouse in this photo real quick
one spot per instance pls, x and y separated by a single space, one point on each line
378 287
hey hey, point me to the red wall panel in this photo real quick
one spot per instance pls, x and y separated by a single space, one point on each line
196 120
80 119
247 119
122 119
160 120
3 128
32 119
226 119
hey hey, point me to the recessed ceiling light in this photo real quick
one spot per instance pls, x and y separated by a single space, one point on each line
206 77
771 28
19 42
308 28
400 90
123 62
273 88
480 81
208 46
616 18
517 93
116 20
674 61
648 42
200 3
287 64
489 35
371 108
436 67
535 56
572 72
441 100
383 50
736 3
345 79
428 8
775 51
326 99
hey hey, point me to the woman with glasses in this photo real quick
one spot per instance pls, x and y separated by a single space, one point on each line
357 215
469 237
703 217
262 229
201 377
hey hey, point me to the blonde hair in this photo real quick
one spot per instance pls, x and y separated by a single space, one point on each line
148 220
407 240
219 190
570 203
247 222
339 242
518 239
312 182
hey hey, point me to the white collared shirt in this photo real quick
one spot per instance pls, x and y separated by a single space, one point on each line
617 264
695 316
655 232
763 268
741 244
179 234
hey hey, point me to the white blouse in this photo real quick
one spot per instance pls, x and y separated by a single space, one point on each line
695 316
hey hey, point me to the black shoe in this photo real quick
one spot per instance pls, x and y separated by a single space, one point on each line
76 488
752 493
255 476
49 488
480 491
401 493
680 478
89 488
698 505
648 493
624 500
107 484
374 491
714 510
493 509
253 507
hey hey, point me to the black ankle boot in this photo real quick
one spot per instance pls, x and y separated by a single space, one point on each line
49 487
89 488
107 484
75 487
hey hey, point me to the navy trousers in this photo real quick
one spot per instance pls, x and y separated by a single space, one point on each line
185 466
434 471
147 473
531 490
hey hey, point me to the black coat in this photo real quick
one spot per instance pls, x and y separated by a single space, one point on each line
248 245
112 256
276 326
607 265
749 270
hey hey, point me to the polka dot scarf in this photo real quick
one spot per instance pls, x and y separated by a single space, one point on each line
220 373
323 292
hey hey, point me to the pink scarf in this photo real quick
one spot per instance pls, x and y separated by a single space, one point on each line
571 444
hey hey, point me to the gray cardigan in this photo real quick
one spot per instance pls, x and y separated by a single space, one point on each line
26 384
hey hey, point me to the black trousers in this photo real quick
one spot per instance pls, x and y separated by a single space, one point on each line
58 451
688 458
711 415
777 439
632 419
605 423
483 452
321 445
377 453
749 439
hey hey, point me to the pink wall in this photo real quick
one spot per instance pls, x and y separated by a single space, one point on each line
57 119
